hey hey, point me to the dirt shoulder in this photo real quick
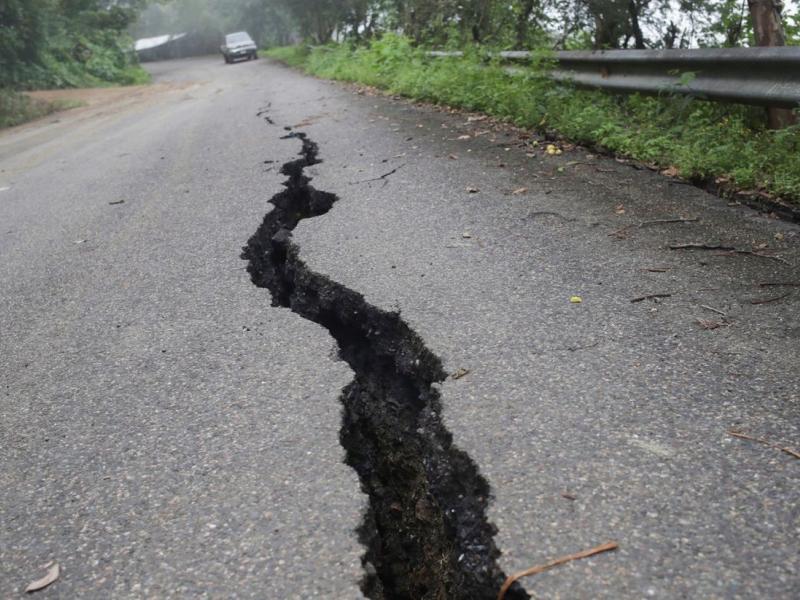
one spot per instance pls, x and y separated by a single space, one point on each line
22 144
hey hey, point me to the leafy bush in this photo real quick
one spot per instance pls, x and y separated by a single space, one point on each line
703 140
47 44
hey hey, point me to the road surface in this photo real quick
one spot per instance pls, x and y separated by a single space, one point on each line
170 429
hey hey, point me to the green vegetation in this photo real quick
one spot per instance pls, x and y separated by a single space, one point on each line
703 140
293 56
63 43
17 108
67 43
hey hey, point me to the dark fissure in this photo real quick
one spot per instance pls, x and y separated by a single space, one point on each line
425 530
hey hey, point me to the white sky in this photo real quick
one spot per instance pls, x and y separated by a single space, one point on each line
790 7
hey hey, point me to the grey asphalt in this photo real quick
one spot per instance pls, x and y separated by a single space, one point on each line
164 432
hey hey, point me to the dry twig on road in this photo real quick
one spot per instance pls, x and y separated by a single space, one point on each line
607 547
381 177
710 325
726 250
744 436
769 300
650 297
663 221
700 246
712 309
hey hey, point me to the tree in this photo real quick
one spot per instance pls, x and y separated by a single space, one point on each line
768 31
23 37
767 24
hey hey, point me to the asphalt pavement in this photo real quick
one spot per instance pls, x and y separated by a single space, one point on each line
165 432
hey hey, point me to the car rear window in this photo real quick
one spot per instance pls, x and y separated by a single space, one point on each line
237 38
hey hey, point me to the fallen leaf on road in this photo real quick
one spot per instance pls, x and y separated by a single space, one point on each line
576 299
552 150
460 373
670 172
519 191
52 574
619 209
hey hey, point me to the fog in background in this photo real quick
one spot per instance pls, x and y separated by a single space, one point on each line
207 21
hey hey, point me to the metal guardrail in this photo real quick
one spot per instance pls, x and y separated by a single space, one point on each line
760 76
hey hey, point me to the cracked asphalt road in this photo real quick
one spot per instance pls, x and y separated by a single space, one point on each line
164 432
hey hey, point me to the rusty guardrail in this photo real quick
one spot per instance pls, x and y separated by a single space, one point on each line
760 76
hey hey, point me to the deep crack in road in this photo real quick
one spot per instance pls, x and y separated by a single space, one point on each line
425 531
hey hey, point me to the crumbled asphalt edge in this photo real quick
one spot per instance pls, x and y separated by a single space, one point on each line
425 529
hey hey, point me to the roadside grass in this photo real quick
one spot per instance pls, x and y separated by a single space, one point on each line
17 108
293 56
704 142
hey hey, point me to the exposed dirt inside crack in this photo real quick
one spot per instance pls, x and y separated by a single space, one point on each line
425 531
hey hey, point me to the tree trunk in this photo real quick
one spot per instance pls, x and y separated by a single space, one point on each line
671 35
767 25
522 23
636 30
605 34
768 31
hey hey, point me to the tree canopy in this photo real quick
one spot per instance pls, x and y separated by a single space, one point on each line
504 23
52 43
